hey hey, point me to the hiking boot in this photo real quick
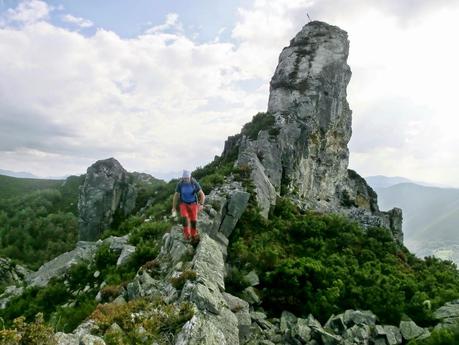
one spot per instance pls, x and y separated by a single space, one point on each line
195 240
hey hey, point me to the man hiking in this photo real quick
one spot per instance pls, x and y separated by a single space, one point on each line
191 198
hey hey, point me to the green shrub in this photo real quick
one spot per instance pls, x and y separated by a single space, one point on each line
33 333
105 258
261 121
324 264
441 336
161 321
149 231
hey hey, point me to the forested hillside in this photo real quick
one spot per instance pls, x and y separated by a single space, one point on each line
14 186
38 218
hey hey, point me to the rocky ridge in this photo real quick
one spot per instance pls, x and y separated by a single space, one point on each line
221 318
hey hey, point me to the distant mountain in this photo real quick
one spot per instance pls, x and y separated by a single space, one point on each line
430 217
14 186
24 174
380 181
20 174
429 213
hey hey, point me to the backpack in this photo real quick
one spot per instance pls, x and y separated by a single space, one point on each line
195 190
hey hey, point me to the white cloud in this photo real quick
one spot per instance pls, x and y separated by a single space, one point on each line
172 23
162 101
81 22
142 100
29 11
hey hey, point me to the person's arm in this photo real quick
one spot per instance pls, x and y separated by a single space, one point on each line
201 197
174 201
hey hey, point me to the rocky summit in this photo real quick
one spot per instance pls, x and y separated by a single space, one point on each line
298 148
106 192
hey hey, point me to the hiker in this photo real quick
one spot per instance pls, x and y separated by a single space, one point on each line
191 200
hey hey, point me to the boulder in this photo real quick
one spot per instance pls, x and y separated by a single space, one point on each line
241 309
58 266
410 330
359 317
252 278
108 192
287 321
66 339
126 253
447 312
250 295
393 335
301 331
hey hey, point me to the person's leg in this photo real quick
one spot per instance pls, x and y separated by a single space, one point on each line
193 221
185 220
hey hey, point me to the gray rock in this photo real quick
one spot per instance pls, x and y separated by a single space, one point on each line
66 339
143 285
126 253
203 330
11 273
235 206
359 317
358 334
312 322
87 327
393 335
208 263
258 315
252 278
410 330
89 339
61 264
249 295
9 293
119 300
235 304
207 300
241 309
336 324
448 311
115 329
287 321
301 331
107 191
329 338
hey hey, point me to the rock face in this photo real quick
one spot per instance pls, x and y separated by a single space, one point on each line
299 147
108 191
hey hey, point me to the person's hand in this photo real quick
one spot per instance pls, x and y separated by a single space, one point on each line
174 213
200 207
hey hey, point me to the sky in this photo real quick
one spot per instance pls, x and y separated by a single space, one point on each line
160 85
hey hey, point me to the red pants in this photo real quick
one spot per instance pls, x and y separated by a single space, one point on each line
189 214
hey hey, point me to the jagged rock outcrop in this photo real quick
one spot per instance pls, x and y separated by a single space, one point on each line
107 192
11 273
12 276
60 265
299 147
